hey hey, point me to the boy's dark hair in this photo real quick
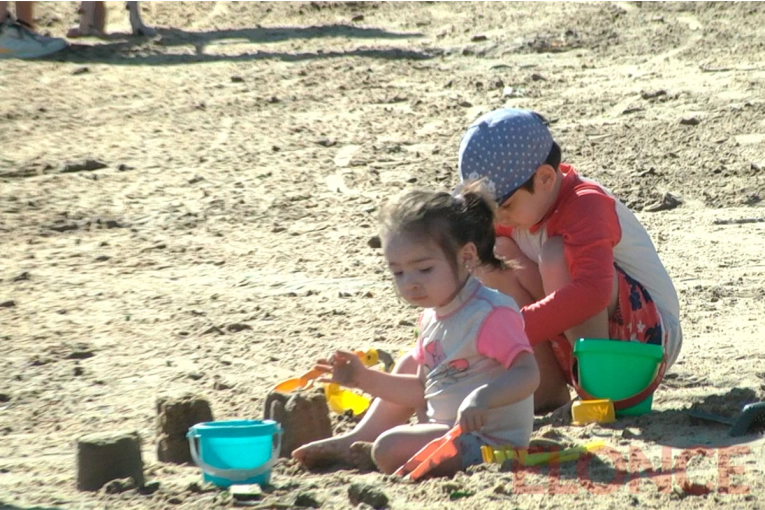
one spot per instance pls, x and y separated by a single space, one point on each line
451 221
553 159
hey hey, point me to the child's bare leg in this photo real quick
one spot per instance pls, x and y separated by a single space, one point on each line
396 446
92 20
523 282
555 275
380 417
136 23
24 11
553 391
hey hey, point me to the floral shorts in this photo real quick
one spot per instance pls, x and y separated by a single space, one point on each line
636 319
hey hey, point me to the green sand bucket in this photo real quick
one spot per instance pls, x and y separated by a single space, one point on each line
627 373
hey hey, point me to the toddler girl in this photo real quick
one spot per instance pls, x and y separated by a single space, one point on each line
475 365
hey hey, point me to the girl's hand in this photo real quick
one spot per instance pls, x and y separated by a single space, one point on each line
473 413
346 368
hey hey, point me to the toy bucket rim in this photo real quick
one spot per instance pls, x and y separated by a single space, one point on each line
618 347
235 428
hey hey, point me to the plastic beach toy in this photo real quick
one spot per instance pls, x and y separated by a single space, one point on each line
369 358
627 373
298 383
340 400
431 455
235 452
752 417
592 411
372 357
525 457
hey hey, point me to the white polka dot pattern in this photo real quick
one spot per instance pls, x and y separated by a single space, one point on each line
505 147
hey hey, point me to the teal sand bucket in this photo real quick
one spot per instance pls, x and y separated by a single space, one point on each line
235 452
627 373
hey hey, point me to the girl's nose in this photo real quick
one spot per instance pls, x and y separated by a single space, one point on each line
411 282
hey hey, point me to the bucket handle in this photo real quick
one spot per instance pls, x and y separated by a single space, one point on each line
235 475
623 403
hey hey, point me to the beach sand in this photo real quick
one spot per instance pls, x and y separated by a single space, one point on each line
225 242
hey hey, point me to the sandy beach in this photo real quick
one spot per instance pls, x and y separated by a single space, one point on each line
193 213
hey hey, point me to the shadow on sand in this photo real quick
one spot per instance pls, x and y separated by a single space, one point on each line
123 49
4 506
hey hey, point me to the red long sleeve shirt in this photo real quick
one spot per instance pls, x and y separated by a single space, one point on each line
597 230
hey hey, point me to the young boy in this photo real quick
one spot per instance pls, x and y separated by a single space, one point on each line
587 266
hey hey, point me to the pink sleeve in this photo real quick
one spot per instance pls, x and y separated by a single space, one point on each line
590 229
501 336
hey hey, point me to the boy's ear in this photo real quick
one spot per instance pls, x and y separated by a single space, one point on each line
545 177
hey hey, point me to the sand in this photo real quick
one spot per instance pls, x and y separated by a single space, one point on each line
218 240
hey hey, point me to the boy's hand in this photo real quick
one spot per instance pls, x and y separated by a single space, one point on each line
473 413
346 368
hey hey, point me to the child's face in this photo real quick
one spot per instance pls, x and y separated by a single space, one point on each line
521 210
421 271
524 209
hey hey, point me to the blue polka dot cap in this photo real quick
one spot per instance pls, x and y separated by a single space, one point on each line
505 147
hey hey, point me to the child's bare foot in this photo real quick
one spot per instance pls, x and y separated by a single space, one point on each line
334 450
361 456
75 32
92 21
144 31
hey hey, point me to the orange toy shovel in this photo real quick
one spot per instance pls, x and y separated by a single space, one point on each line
369 358
297 383
431 455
